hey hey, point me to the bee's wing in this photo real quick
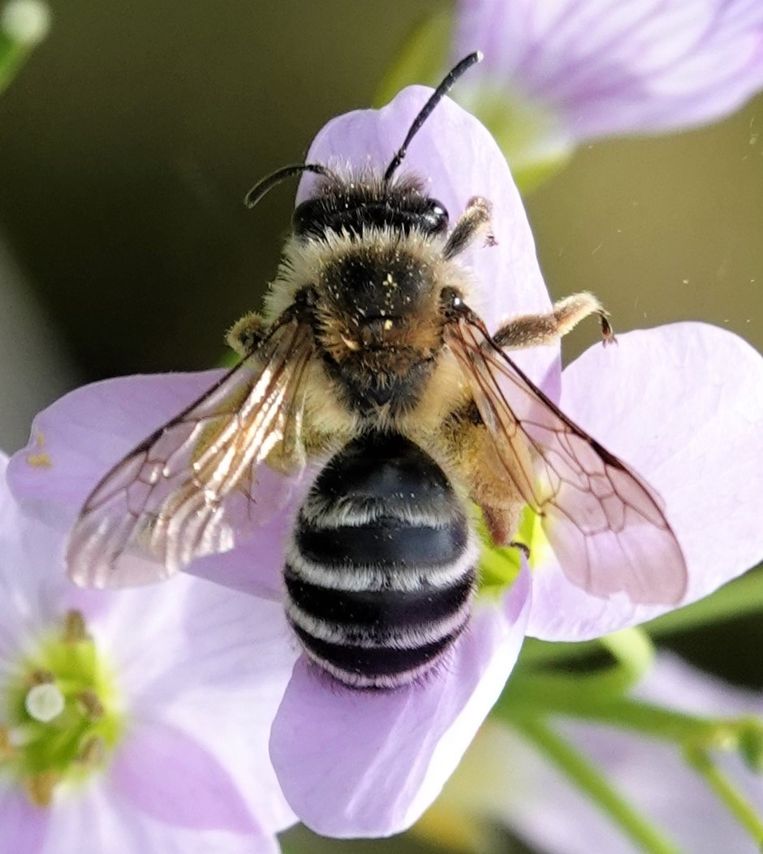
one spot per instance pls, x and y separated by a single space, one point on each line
183 491
604 523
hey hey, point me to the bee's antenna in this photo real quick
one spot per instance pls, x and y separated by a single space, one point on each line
267 183
434 100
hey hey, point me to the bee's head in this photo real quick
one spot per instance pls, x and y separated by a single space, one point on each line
353 207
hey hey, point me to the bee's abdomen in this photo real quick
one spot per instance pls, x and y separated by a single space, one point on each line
381 570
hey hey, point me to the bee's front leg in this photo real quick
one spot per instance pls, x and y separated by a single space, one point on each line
475 220
246 334
529 330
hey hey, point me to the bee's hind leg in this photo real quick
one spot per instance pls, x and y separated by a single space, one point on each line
529 330
246 333
475 220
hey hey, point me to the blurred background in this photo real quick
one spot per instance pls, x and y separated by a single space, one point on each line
129 138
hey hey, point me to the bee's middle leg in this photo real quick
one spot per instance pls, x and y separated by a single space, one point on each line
529 330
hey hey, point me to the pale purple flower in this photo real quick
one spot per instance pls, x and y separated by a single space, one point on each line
160 745
504 779
683 404
592 68
368 763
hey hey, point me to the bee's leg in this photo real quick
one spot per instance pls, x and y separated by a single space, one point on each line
246 333
501 523
475 220
529 330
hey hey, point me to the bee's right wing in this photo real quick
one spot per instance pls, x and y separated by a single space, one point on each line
185 491
605 524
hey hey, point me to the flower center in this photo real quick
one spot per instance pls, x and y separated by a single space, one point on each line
60 718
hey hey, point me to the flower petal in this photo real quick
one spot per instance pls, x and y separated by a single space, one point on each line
100 814
207 662
457 158
165 773
358 763
77 439
24 826
214 664
256 566
683 405
34 591
626 67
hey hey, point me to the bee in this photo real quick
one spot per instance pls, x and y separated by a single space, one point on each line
369 356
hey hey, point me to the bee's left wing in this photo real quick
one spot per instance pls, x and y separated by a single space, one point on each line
182 492
604 523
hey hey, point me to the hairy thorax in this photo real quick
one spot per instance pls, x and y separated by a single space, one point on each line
377 324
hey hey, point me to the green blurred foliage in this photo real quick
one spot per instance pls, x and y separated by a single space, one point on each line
23 25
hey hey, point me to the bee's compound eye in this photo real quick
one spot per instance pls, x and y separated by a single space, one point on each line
307 217
435 217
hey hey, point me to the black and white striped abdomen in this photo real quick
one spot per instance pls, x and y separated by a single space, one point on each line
381 569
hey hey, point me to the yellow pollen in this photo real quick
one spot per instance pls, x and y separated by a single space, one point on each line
40 459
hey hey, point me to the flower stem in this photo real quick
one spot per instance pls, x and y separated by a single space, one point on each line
724 789
580 694
538 653
632 648
581 697
590 780
651 720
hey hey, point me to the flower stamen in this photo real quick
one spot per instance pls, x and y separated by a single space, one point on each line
39 787
75 630
41 677
91 705
7 749
93 752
